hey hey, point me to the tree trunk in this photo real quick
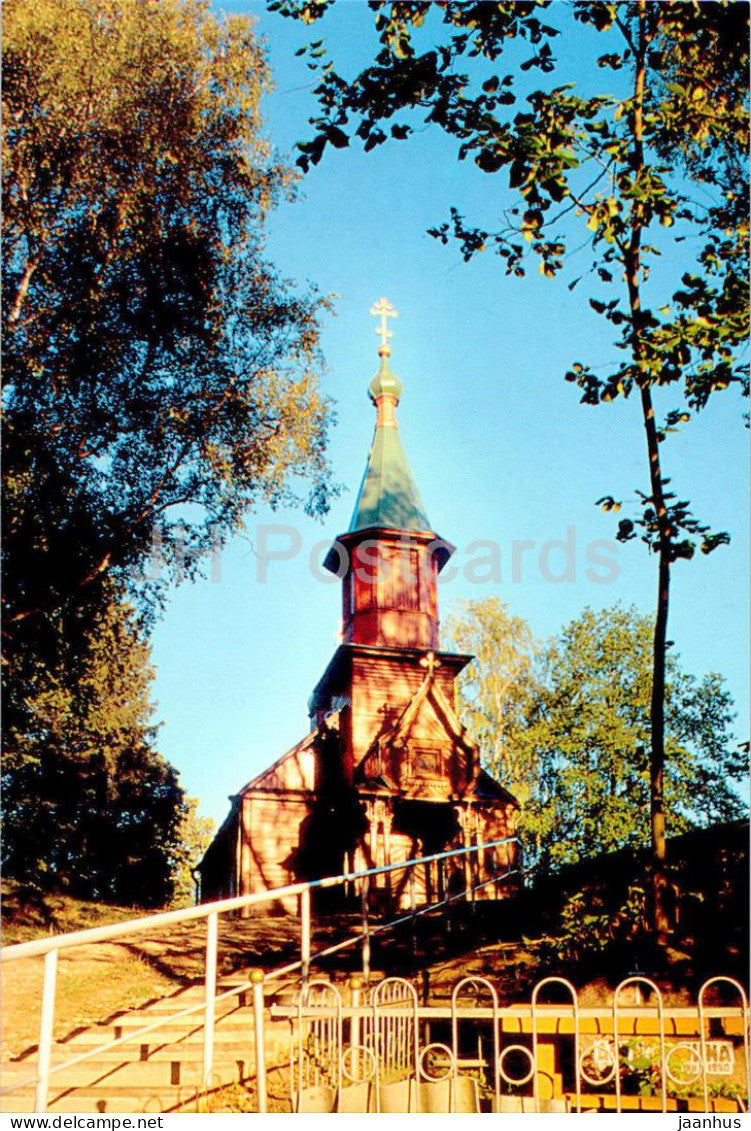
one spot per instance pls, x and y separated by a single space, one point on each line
658 916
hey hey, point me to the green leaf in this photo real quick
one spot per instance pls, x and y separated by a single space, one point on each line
337 137
490 161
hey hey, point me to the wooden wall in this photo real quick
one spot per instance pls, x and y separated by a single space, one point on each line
272 831
218 867
389 596
381 689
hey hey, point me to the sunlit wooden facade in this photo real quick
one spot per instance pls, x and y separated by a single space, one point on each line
387 771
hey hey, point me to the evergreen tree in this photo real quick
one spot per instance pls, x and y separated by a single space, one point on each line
89 804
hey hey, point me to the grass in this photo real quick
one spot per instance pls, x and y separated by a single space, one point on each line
98 981
93 981
243 1098
31 916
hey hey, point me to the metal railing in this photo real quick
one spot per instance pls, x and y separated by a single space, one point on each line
381 1054
50 948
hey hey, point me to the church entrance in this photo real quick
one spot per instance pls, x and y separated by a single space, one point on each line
431 827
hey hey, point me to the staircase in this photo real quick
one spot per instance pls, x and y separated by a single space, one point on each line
158 1072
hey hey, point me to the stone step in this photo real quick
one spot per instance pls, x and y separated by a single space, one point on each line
160 1071
171 1027
101 1073
187 1054
188 999
172 1005
173 1072
154 1047
186 1050
106 1100
225 1035
227 1045
228 1016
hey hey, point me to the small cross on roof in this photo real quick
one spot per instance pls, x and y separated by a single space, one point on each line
431 662
383 310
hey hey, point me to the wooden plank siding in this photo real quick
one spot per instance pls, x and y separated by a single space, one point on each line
272 831
380 690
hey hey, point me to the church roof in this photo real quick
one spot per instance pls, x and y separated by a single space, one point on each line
388 495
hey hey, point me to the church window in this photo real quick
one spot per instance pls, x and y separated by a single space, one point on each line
411 588
427 762
380 847
365 579
400 580
391 582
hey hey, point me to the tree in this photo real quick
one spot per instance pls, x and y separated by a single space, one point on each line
589 737
663 149
195 837
158 373
578 741
89 804
499 688
159 383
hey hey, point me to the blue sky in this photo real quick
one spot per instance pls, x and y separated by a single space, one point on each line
500 446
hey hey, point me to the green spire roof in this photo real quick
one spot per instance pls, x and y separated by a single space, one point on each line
388 495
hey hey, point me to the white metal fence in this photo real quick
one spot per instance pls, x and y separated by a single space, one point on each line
381 1051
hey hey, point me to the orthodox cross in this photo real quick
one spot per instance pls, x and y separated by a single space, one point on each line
383 310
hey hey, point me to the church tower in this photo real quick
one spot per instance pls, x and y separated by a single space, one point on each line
389 693
390 557
387 771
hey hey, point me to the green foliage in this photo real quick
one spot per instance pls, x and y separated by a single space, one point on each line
89 805
567 725
589 734
195 835
158 373
658 154
159 382
727 1090
586 930
499 688
639 1068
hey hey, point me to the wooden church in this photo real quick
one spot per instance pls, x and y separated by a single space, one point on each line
387 772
